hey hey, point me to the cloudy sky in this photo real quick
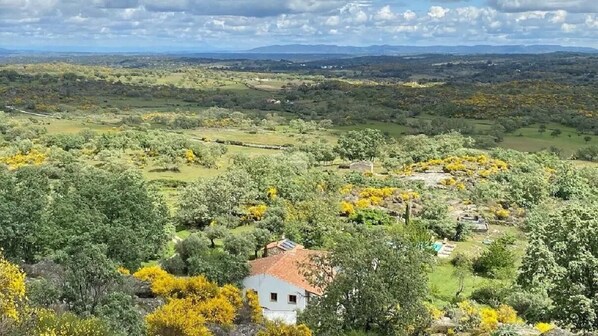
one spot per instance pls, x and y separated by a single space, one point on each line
242 24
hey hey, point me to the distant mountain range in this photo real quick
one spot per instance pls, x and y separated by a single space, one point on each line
411 50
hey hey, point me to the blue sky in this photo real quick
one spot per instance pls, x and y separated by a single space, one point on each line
204 25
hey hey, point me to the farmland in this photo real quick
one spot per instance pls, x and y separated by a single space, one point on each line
178 169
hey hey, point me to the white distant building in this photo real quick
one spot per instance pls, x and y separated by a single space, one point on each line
280 284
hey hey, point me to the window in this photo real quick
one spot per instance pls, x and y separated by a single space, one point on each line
274 297
293 299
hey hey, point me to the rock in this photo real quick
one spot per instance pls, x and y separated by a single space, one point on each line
362 166
557 332
442 326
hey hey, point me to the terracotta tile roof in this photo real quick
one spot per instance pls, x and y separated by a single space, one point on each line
286 267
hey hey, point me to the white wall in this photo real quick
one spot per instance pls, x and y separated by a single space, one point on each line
265 284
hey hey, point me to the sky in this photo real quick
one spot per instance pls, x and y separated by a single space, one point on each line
232 25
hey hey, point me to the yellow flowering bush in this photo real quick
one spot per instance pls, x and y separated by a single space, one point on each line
448 181
254 306
346 189
281 329
363 203
508 315
123 270
233 295
257 212
272 193
16 161
177 318
543 327
470 165
488 319
12 289
150 273
409 195
435 313
190 156
347 208
49 323
192 302
501 213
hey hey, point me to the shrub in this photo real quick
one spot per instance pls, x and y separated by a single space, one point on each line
372 217
281 329
533 307
543 327
490 295
495 262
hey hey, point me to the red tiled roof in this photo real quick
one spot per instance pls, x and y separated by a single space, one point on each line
287 267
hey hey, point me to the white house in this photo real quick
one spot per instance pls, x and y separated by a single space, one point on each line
280 284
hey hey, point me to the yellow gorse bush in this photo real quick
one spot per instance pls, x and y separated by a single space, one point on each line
49 323
488 319
507 315
469 165
192 302
34 157
272 193
12 289
347 208
543 327
281 329
256 212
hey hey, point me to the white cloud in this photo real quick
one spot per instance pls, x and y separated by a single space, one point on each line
216 24
409 15
437 12
577 6
333 20
559 16
385 14
568 28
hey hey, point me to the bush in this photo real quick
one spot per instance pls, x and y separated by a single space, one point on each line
533 307
491 295
589 153
495 262
372 217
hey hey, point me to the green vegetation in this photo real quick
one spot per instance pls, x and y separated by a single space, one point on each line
474 210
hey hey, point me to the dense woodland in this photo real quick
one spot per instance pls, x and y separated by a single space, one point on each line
133 193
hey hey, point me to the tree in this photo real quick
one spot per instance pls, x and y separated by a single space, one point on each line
205 200
556 132
89 277
239 244
321 151
23 204
561 259
119 311
219 266
497 261
462 269
373 281
542 128
194 257
114 208
587 138
361 145
214 232
261 237
111 207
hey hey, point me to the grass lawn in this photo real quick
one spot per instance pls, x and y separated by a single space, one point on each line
528 139
391 129
444 284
